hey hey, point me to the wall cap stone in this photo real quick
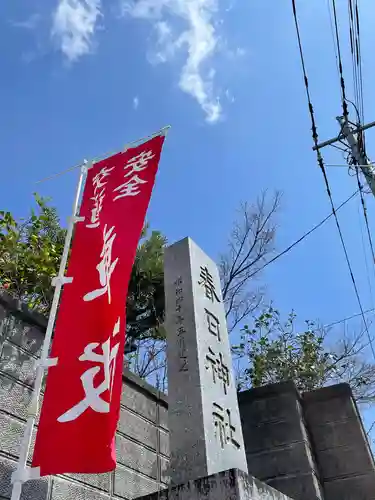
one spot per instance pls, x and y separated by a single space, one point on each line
20 310
330 392
144 386
231 484
270 390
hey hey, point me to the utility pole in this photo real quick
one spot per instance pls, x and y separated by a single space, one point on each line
349 133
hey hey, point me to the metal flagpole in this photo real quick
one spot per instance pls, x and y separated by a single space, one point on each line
23 473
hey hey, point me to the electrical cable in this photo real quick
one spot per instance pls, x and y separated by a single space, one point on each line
319 156
342 81
364 208
349 317
314 228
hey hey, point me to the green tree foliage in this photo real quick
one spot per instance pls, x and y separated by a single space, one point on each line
145 303
30 254
272 350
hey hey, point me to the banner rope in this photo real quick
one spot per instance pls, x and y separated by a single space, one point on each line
137 142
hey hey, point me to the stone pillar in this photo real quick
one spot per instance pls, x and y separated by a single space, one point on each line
342 452
204 421
276 442
229 485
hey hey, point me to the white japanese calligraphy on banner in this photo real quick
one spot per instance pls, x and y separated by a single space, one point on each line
105 267
93 394
81 404
135 164
99 194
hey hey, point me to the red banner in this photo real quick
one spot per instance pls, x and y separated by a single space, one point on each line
82 399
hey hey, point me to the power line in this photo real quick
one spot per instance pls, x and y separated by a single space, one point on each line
319 156
353 50
349 317
365 257
355 44
317 226
364 209
342 81
333 36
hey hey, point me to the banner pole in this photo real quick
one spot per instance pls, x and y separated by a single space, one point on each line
23 473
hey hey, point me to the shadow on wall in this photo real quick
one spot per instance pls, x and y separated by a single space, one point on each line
33 490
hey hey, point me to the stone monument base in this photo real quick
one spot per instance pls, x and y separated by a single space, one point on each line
232 484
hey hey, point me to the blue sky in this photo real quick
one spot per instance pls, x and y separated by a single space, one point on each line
82 78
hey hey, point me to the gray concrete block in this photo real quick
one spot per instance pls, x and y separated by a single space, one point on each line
228 485
292 459
136 457
163 417
22 311
24 335
11 434
268 435
343 461
32 490
138 402
329 404
63 490
276 409
298 487
251 488
128 484
131 379
164 470
341 448
3 322
352 488
333 434
137 428
99 481
164 443
14 398
16 363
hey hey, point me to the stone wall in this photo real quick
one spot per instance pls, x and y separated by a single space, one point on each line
277 445
309 448
142 437
232 484
344 458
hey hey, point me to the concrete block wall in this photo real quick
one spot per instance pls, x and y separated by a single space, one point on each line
142 437
342 452
232 484
309 447
277 445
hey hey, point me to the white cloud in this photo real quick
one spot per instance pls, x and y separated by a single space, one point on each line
74 24
230 96
198 37
135 102
30 23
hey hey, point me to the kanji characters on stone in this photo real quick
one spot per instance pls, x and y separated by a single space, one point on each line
224 430
207 282
220 371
